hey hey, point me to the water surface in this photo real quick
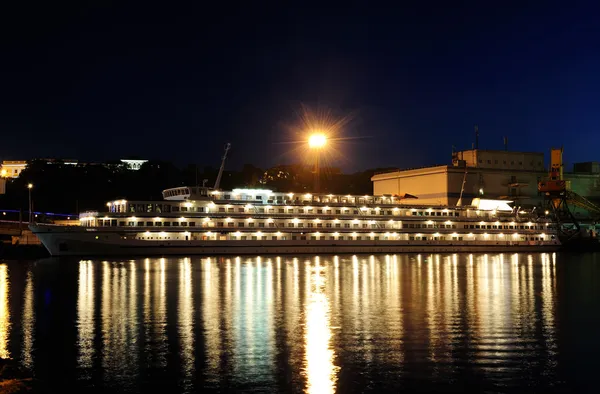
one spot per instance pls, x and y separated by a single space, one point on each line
318 324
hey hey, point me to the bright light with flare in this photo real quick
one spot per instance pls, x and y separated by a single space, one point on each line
317 140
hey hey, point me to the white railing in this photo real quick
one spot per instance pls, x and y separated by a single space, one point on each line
88 214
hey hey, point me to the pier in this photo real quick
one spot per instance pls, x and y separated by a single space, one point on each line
18 241
17 233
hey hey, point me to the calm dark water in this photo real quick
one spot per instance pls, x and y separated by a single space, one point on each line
444 323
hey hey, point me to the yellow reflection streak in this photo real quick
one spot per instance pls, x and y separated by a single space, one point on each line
336 282
373 276
529 300
227 302
455 289
119 318
4 312
355 290
449 297
155 312
28 323
365 299
389 313
228 287
431 306
483 302
132 316
85 315
107 284
253 318
237 281
132 296
266 322
269 283
210 315
147 313
186 319
471 297
548 301
159 322
307 269
291 310
295 278
278 282
515 287
249 339
320 369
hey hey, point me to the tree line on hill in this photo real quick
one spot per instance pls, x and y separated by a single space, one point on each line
65 188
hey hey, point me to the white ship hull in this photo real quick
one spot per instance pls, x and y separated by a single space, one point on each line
82 241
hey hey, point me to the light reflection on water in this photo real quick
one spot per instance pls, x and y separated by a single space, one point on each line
118 315
85 312
4 311
185 312
321 373
28 322
318 324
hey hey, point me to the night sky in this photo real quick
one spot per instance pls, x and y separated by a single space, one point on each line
175 82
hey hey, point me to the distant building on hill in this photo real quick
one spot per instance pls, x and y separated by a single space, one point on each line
12 168
133 164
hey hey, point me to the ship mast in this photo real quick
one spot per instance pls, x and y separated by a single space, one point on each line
218 181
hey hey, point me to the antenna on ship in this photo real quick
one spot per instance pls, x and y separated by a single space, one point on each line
218 181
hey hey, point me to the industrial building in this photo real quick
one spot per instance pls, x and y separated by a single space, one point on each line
488 174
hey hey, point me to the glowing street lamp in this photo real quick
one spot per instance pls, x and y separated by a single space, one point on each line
317 141
29 187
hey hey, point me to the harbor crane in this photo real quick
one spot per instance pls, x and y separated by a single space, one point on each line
559 198
218 181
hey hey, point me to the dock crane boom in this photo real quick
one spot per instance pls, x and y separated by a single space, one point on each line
218 181
462 189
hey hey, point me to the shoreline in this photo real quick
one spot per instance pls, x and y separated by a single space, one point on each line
13 379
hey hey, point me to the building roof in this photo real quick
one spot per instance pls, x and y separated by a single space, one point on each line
500 151
14 162
417 170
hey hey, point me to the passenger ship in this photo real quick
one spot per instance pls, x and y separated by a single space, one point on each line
202 220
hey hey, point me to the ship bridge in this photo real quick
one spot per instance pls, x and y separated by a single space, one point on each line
186 193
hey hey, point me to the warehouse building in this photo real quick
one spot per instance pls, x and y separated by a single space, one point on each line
490 174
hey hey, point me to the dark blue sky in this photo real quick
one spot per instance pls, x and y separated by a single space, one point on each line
176 82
